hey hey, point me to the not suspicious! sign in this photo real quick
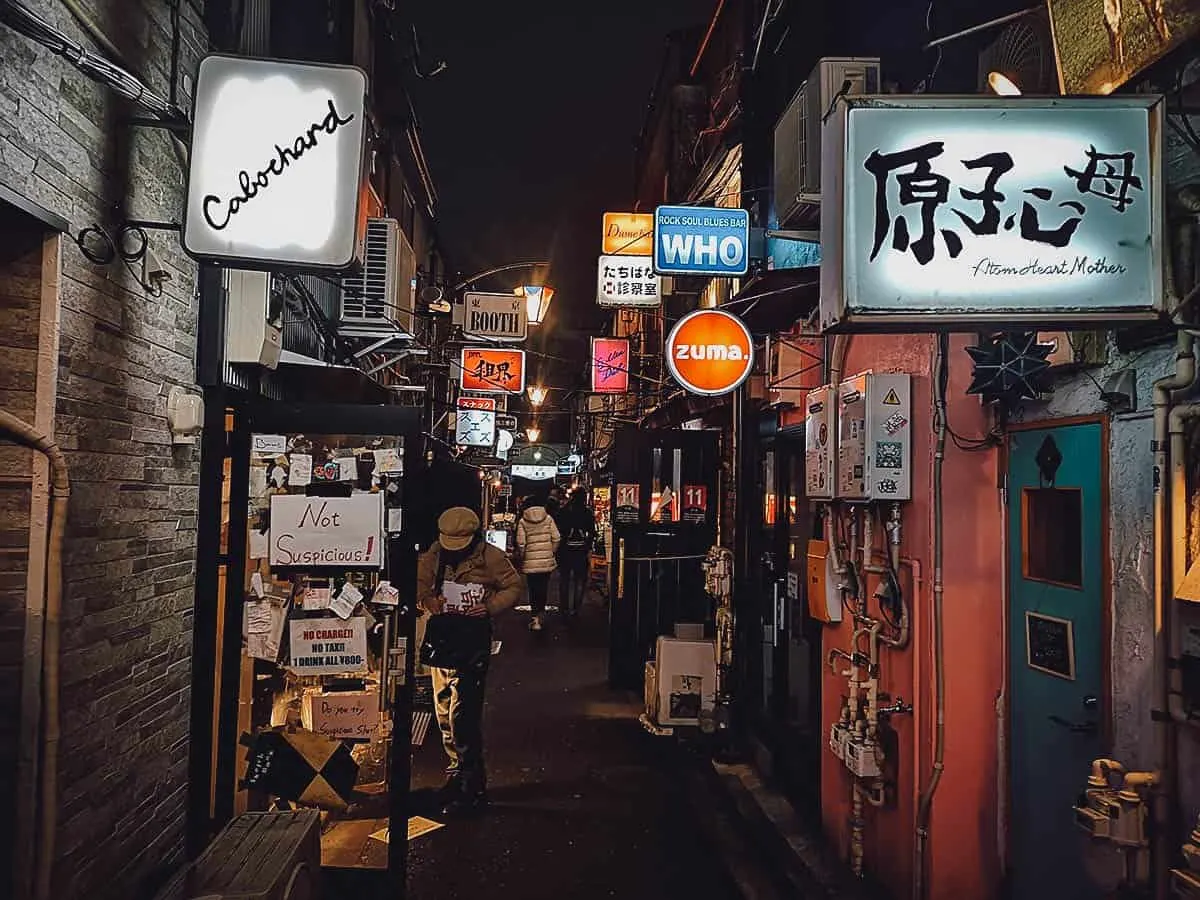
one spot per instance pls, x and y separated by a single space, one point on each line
326 531
710 352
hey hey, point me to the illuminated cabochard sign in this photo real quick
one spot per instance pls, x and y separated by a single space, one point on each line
938 212
276 164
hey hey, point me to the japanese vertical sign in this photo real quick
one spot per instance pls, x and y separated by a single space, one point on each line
475 422
490 370
610 365
1009 210
628 281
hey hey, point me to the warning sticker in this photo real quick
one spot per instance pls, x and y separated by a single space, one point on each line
892 398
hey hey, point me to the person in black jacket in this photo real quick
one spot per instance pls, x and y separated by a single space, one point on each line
577 526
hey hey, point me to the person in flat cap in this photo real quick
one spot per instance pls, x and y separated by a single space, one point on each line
462 582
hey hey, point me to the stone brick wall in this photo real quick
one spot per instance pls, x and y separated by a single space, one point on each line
130 555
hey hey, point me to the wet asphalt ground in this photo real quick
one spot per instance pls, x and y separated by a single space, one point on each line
585 803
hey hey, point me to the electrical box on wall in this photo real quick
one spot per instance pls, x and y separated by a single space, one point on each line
818 453
874 440
254 319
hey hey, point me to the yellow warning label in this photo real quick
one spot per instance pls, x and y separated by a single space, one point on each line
892 398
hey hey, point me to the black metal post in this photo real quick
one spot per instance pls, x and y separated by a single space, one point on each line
231 635
204 623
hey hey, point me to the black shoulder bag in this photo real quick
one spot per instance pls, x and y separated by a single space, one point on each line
455 642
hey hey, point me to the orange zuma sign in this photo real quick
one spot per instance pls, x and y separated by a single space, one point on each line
628 234
489 370
710 351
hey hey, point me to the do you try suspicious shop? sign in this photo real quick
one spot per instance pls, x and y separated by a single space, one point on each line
326 531
328 646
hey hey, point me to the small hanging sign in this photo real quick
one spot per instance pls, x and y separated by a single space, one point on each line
628 504
695 503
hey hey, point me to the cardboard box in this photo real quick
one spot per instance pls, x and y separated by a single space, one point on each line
687 680
342 715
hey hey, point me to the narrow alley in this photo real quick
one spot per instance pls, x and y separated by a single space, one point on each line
584 803
542 450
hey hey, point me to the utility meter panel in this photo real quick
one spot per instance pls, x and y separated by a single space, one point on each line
818 449
874 449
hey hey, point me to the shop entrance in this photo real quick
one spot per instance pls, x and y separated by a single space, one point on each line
1057 623
789 711
312 619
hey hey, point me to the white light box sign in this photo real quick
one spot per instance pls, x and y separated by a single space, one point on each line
947 212
276 164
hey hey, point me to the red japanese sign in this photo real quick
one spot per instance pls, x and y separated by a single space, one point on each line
492 370
610 365
483 404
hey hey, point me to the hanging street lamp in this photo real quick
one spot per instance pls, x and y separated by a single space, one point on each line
532 434
537 394
537 300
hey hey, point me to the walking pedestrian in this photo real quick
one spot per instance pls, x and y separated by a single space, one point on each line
578 528
457 646
537 545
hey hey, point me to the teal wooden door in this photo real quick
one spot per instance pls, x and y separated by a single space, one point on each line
1056 626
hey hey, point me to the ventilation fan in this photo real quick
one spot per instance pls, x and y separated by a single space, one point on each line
1020 60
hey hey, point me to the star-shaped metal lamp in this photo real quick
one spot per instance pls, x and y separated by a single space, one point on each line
1011 368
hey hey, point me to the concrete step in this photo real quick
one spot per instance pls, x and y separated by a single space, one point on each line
791 848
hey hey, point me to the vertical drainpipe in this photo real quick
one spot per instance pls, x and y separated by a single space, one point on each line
1166 751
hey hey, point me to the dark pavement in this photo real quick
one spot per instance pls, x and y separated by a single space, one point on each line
585 804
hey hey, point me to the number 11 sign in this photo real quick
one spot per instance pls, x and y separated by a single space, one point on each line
695 503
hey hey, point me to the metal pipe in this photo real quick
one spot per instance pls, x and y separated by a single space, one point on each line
1164 577
925 808
24 433
984 26
856 830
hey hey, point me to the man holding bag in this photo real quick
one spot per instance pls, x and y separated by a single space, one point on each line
462 581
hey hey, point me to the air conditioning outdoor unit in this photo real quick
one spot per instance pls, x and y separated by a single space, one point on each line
798 132
384 292
254 318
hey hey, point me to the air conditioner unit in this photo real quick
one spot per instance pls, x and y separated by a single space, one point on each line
798 132
795 366
384 291
254 317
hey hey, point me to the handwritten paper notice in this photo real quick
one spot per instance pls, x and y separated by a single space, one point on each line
327 531
347 468
347 599
268 443
387 462
342 715
328 646
300 470
386 594
263 627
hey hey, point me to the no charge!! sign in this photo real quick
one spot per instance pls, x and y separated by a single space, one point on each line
710 352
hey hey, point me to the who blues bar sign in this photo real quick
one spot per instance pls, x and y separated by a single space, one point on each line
696 240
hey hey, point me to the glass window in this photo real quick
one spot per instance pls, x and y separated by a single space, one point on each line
321 658
1053 535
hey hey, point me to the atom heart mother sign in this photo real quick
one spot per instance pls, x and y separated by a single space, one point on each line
326 531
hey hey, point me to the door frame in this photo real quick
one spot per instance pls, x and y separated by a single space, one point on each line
214 760
1105 593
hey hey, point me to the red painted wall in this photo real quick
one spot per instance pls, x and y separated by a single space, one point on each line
963 856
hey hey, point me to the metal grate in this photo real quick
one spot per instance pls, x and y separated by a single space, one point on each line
371 294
